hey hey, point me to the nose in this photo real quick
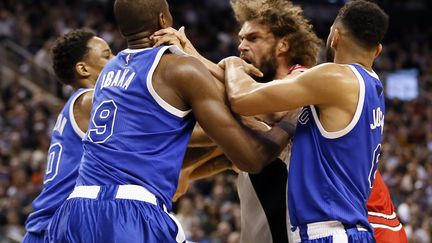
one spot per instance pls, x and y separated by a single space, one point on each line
242 46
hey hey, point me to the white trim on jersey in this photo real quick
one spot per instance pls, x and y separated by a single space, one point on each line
357 114
383 226
165 105
74 124
386 216
135 50
373 74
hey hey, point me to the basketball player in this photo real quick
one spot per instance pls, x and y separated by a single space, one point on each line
338 136
139 127
277 49
78 58
382 217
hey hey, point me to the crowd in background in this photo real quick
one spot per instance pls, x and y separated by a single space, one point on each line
210 211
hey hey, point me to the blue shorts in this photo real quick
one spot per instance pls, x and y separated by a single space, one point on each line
332 232
32 237
126 213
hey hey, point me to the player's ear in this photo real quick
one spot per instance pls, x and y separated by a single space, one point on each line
283 45
81 69
336 38
378 50
163 21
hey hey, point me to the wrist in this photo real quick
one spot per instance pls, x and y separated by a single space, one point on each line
288 127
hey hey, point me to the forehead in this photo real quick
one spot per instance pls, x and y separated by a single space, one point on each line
97 44
253 27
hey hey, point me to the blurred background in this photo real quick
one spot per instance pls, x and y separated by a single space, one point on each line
31 97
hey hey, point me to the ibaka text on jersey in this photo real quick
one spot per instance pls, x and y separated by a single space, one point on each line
121 78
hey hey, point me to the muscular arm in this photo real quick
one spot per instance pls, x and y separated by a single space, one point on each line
199 138
247 150
324 84
82 109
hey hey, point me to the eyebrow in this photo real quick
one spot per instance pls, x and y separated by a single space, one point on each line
249 34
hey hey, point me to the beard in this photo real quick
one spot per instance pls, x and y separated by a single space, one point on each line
268 67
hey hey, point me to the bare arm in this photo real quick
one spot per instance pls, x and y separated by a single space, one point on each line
314 86
171 36
249 151
199 138
211 167
195 158
82 109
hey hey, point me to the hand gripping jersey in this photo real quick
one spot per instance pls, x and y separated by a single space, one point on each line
134 136
64 156
331 173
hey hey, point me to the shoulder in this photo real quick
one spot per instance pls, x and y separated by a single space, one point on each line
83 102
82 108
329 74
182 67
185 73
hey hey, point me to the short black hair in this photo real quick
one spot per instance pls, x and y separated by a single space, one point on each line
68 50
133 16
366 21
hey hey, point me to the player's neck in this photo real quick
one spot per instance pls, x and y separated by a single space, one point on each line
282 70
83 84
360 58
356 55
139 40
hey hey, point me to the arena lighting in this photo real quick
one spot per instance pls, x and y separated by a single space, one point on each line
402 84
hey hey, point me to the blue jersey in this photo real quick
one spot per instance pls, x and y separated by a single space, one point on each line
331 173
64 156
134 136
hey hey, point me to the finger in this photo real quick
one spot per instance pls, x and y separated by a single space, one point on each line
181 30
176 197
221 64
164 31
166 40
250 69
235 168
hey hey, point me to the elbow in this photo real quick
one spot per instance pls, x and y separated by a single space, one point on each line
254 168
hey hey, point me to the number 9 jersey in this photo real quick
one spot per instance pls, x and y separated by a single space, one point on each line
134 136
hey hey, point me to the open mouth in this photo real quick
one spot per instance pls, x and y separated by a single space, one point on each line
246 59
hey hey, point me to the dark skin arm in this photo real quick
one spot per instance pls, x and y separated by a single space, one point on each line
199 138
82 108
171 36
188 84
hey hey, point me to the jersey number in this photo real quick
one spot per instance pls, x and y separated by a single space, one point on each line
53 162
375 160
103 122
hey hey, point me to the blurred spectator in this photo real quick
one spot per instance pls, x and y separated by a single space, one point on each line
210 211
